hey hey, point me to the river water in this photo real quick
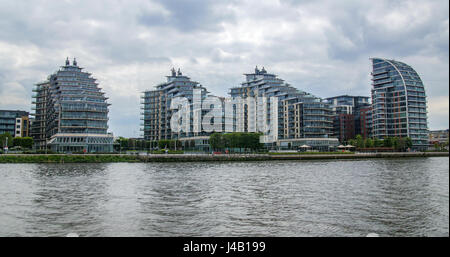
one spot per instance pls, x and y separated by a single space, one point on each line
390 197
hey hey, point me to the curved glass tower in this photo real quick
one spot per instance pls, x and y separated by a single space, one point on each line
399 102
73 115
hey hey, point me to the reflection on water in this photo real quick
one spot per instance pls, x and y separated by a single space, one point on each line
390 197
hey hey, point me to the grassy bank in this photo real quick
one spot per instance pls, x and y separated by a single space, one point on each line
105 158
63 158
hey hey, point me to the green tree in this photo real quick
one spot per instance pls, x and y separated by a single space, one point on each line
123 143
24 142
408 142
171 144
377 142
387 142
241 140
138 144
154 144
400 145
238 140
216 140
163 144
255 143
131 144
395 143
3 140
369 142
359 141
230 140
352 142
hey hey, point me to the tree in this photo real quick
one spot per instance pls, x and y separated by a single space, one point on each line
229 140
153 144
163 144
131 144
24 142
395 143
123 142
171 144
377 142
137 144
387 142
369 142
359 141
216 140
3 140
255 143
408 142
400 145
241 140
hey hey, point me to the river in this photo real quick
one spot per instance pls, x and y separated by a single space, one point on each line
390 197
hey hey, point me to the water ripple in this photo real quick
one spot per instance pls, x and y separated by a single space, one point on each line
390 197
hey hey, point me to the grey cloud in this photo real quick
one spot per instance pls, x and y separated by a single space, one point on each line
130 46
188 16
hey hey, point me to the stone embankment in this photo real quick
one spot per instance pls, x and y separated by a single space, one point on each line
105 158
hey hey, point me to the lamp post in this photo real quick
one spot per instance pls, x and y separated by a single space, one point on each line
6 146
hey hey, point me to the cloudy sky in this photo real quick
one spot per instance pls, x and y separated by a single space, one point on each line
322 47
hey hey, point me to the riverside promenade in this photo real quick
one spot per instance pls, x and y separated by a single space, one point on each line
143 157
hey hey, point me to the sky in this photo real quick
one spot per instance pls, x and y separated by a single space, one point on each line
321 47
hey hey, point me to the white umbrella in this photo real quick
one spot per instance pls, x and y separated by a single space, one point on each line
349 146
305 146
341 146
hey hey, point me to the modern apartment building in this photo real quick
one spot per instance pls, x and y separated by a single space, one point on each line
298 115
347 103
71 112
350 116
14 122
399 106
156 112
39 106
363 122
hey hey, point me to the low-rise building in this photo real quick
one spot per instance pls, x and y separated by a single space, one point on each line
352 116
15 122
438 136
